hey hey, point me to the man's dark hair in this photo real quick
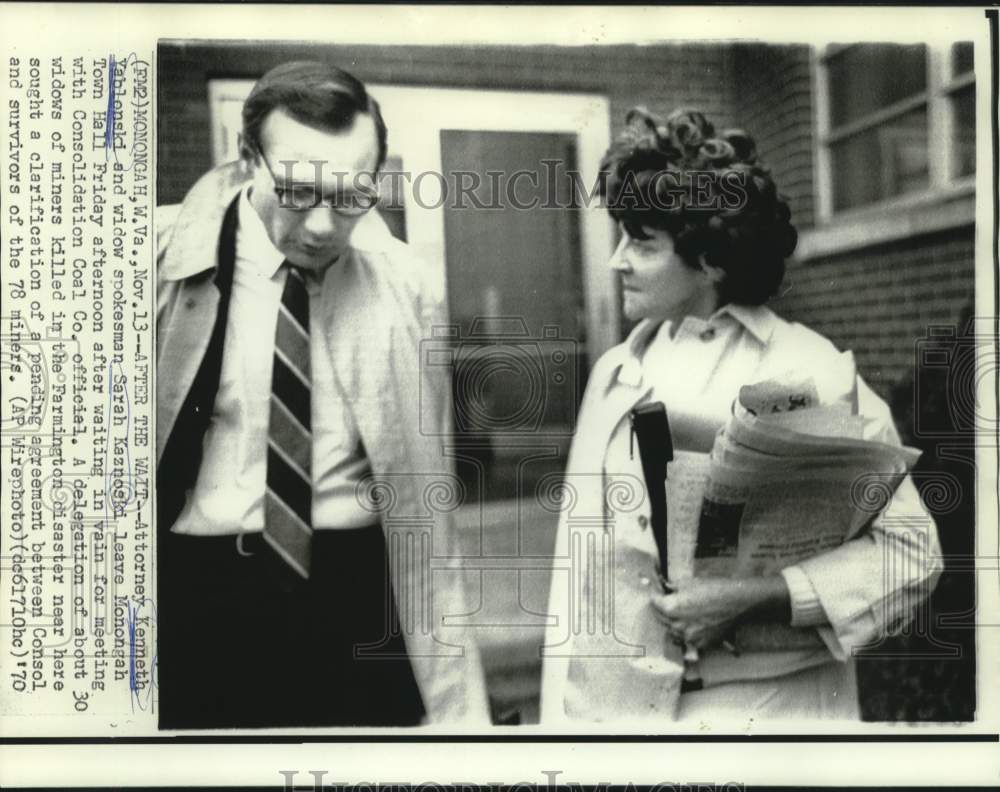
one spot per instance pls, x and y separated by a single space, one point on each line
708 191
313 93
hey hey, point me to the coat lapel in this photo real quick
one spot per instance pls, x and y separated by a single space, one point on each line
186 268
615 387
186 339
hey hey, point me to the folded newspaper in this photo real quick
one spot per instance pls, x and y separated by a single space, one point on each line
781 484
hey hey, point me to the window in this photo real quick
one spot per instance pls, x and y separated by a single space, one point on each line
961 91
896 124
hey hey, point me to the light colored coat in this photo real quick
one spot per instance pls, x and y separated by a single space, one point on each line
596 667
381 309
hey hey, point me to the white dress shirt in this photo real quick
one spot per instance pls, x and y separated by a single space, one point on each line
228 496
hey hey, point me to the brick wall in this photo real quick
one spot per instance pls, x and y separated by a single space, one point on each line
879 301
774 103
661 77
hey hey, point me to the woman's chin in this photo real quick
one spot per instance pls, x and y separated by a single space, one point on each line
635 311
631 309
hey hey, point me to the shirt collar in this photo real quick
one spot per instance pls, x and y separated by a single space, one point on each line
757 319
253 245
630 352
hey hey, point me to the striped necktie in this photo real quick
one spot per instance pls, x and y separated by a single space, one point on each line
288 501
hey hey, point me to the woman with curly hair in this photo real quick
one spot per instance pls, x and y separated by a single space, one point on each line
704 238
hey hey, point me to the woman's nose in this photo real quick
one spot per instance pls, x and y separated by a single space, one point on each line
619 259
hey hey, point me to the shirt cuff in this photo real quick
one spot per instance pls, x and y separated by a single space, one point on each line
806 608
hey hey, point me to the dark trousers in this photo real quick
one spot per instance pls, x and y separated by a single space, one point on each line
244 642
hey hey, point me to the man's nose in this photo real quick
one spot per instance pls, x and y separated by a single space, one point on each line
619 259
322 222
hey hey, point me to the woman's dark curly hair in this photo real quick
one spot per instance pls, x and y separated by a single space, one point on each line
710 192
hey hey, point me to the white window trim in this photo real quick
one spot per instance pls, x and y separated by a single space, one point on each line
946 203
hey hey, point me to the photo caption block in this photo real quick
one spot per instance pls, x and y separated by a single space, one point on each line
76 337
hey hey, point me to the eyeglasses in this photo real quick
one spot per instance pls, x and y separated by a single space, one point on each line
303 197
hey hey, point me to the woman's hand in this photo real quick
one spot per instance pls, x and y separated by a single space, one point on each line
701 612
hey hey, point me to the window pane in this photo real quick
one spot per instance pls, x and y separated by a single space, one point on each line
963 105
867 77
961 58
879 163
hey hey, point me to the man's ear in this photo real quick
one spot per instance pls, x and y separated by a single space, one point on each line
714 274
247 152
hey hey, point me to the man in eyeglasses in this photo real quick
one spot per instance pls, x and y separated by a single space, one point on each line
291 428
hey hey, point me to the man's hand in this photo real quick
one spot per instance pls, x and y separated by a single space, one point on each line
701 612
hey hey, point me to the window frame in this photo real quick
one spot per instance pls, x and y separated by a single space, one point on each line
946 202
952 83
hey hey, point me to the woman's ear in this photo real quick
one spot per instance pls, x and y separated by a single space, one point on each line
715 275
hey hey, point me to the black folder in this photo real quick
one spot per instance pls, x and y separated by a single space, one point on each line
651 430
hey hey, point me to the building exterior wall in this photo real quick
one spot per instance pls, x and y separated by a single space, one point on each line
876 301
774 103
880 301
